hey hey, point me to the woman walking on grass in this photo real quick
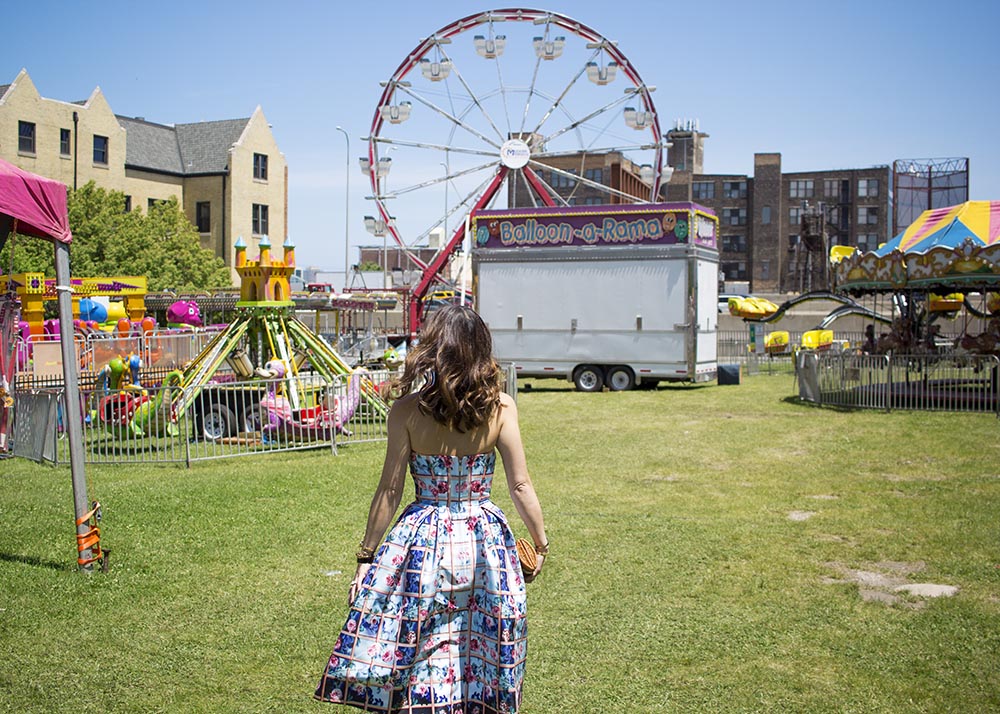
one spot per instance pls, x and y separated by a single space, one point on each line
437 623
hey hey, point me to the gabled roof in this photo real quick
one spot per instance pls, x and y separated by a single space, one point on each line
151 146
183 149
204 146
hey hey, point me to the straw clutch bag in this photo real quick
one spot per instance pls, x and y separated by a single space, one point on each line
526 554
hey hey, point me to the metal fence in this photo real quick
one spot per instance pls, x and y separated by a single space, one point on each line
747 349
954 382
221 420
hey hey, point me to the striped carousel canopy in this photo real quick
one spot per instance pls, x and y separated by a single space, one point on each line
953 248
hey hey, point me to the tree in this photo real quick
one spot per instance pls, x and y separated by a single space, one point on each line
160 244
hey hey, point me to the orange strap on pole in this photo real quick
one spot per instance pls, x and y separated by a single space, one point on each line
91 539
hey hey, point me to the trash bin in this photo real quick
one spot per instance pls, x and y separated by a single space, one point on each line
730 373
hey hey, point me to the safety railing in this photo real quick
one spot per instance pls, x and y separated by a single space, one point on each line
942 381
219 420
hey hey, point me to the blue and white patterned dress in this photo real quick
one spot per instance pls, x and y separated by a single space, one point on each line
439 624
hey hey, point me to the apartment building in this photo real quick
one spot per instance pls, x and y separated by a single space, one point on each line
229 176
766 218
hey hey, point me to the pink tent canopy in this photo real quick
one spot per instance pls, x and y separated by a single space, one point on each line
37 203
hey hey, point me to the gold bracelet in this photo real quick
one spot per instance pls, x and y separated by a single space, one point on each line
365 554
542 550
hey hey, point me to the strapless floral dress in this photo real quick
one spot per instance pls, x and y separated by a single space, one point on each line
439 624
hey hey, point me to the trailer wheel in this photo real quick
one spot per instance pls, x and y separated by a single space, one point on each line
620 379
217 422
589 378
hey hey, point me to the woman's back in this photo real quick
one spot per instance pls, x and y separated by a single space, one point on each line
428 436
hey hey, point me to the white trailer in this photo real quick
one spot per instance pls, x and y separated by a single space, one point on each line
616 296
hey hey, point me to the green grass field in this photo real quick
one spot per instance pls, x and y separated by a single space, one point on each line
677 582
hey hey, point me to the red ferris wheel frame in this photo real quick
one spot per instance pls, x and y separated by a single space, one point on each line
431 270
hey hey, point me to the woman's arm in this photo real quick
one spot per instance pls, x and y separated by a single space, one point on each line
522 493
390 487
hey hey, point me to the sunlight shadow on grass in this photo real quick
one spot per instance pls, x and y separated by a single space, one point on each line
33 560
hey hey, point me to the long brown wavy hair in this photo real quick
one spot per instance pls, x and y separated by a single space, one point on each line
454 358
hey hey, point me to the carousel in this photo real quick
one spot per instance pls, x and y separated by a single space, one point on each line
939 279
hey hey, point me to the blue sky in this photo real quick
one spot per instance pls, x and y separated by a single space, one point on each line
829 85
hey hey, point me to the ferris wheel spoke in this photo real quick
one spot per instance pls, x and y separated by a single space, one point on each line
596 113
599 150
467 201
528 189
556 104
544 188
436 147
473 96
580 180
434 181
451 117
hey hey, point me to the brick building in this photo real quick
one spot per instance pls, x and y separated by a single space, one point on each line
764 217
228 176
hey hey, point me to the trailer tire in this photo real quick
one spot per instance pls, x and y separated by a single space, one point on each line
217 422
589 378
620 379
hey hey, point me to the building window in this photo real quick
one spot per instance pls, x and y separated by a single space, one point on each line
792 242
735 270
203 216
831 188
734 216
702 190
64 147
867 242
800 189
128 203
734 189
867 215
260 167
26 137
765 270
867 188
593 201
100 150
794 216
734 244
152 203
563 181
765 215
259 220
595 175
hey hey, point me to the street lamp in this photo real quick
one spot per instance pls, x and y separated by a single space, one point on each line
347 205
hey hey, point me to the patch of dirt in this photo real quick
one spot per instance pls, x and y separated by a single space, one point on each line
801 515
824 497
886 582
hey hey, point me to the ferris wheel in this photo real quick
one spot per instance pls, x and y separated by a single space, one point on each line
501 109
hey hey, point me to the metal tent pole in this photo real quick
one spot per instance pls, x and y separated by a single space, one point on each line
71 416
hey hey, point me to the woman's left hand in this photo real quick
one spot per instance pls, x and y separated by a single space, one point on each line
538 568
359 577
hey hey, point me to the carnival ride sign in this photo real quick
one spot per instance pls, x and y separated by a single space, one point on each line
641 224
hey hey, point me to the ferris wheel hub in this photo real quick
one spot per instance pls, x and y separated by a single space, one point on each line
515 153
